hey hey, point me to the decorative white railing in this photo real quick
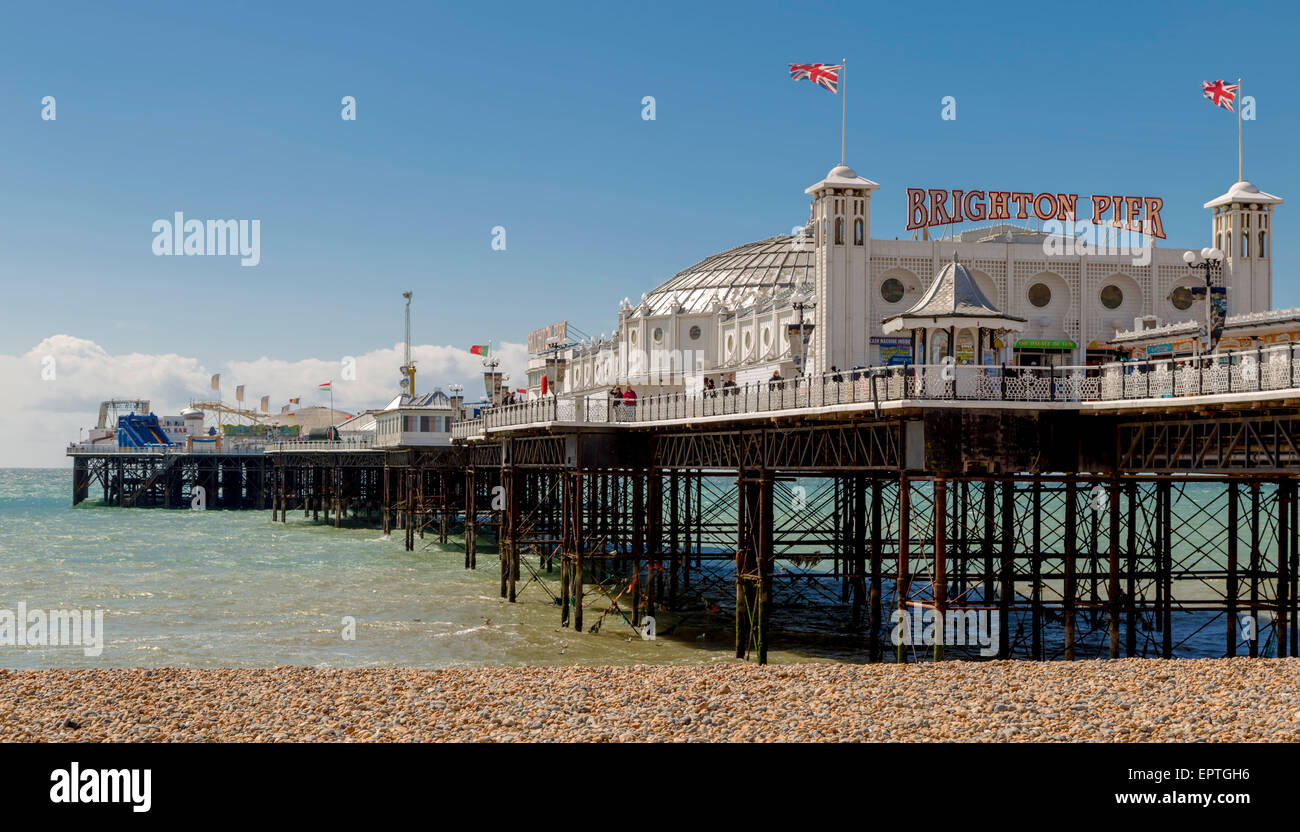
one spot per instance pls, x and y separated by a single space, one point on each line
321 445
1260 370
244 448
467 429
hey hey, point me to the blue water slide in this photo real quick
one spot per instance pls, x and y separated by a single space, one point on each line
140 432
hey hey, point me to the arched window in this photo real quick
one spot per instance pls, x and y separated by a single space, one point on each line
1228 248
1245 243
857 232
1263 244
839 231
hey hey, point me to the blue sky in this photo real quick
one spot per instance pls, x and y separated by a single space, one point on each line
528 116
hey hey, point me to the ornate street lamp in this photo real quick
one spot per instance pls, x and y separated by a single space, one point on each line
800 301
1209 261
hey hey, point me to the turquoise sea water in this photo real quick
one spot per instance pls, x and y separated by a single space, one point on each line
232 588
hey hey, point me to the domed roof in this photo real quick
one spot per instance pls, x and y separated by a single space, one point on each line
776 264
1243 191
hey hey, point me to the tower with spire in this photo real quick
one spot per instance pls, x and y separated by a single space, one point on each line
841 218
1242 227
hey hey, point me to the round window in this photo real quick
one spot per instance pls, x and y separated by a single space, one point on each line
659 335
892 290
1111 297
695 333
749 339
1181 298
632 335
767 336
1040 295
731 343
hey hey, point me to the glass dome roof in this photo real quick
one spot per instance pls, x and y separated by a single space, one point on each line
775 264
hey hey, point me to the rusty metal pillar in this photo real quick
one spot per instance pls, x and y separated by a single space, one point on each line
1113 602
1006 569
639 510
1284 498
1071 544
903 579
654 509
874 614
939 580
674 536
1166 571
753 562
512 479
1232 589
471 518
1036 574
1130 569
857 549
579 550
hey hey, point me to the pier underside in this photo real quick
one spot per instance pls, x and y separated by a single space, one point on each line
928 534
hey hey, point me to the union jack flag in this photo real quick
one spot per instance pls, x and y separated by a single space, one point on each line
827 76
1220 93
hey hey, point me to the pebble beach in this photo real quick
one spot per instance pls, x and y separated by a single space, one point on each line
1216 700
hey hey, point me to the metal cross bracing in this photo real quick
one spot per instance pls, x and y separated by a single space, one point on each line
229 481
1230 442
871 445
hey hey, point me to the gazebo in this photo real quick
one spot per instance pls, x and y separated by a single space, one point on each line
953 320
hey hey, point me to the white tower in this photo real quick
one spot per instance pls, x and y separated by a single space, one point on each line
841 216
1242 226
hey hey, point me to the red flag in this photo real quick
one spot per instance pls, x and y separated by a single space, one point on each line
1220 93
543 384
477 349
523 390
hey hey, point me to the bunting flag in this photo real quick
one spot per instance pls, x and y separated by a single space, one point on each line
239 393
294 401
266 403
216 381
478 349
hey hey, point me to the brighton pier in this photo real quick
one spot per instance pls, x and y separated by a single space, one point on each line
1098 507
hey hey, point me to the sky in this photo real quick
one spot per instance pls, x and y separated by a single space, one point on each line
528 117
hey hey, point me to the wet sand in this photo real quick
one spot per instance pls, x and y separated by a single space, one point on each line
1214 700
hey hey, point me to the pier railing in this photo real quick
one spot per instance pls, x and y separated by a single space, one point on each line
467 429
1249 371
244 448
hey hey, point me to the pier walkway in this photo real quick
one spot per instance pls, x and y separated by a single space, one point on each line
1264 375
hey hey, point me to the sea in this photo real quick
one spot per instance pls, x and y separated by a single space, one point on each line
182 588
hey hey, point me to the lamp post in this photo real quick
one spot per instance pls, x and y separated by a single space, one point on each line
800 301
1210 262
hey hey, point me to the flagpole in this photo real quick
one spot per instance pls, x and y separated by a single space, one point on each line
844 102
1241 98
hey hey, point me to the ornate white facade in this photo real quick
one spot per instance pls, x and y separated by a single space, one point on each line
735 314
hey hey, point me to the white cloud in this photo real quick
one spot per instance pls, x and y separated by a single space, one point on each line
42 414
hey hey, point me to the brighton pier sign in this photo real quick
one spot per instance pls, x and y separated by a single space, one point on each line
928 207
